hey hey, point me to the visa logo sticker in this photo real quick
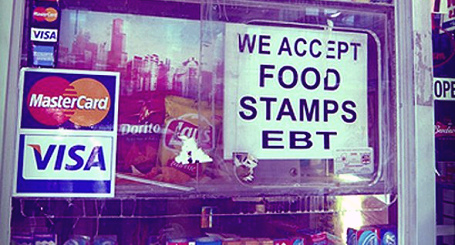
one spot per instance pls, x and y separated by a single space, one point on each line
67 157
44 35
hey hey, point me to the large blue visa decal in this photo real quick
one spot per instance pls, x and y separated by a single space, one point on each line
64 164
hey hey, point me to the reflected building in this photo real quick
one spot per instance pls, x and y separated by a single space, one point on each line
101 61
141 73
150 73
83 54
162 78
117 57
133 79
146 74
185 79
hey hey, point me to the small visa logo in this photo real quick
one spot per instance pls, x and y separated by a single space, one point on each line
44 35
95 159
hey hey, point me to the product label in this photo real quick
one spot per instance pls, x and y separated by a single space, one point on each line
145 129
45 239
442 130
389 238
181 127
368 237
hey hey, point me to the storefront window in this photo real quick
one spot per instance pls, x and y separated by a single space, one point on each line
243 122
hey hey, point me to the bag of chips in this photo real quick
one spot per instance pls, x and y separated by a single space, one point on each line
188 138
141 118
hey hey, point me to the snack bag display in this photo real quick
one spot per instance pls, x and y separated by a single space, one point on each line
141 118
188 138
48 239
105 240
388 234
351 236
367 235
289 241
78 240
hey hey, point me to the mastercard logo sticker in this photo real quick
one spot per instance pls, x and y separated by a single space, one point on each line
45 14
53 100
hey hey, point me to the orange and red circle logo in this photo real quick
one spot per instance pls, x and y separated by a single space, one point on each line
54 100
45 14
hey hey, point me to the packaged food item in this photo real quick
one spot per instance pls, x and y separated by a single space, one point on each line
351 236
78 240
289 241
105 240
321 238
45 239
364 236
208 241
206 217
249 241
225 238
388 235
188 137
265 241
22 239
232 242
140 122
368 236
182 241
374 234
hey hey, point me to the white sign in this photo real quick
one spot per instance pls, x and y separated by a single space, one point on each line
353 161
44 35
294 93
444 88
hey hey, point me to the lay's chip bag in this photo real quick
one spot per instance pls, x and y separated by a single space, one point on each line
188 139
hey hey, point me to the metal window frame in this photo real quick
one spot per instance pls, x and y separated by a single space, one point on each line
416 177
11 13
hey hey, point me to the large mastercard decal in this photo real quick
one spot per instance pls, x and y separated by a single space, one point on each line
53 100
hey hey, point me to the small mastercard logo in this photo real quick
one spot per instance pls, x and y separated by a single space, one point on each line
45 14
54 100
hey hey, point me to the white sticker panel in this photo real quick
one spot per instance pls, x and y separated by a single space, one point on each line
353 161
44 35
294 93
444 88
